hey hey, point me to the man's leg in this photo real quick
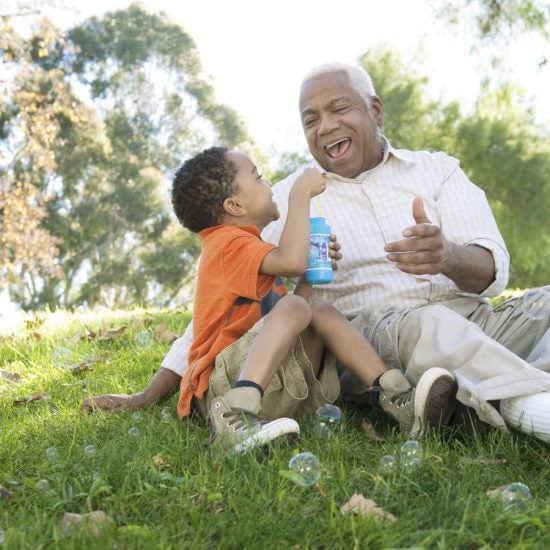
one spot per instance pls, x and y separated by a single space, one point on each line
485 370
163 385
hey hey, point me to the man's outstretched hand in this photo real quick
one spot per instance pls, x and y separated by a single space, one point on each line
423 251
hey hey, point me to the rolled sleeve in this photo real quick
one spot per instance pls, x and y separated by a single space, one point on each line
501 258
176 358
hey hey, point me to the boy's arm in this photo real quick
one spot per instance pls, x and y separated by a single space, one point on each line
303 289
289 259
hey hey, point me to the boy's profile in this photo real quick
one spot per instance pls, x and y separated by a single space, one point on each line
258 354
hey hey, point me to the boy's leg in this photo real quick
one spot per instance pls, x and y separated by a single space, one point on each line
234 416
416 409
163 385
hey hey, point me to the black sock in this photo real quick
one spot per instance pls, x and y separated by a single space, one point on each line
249 384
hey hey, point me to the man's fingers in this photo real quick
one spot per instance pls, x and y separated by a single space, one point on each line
429 241
419 214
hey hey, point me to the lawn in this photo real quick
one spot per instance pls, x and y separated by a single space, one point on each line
161 486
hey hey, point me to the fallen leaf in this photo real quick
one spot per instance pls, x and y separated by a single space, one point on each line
37 336
111 334
84 365
95 521
496 493
362 506
158 460
5 494
30 398
164 335
146 322
370 431
483 461
10 376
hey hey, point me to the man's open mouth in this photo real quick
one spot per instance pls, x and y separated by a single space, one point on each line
338 148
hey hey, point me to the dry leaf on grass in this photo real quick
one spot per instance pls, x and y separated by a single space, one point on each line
5 494
163 334
111 334
362 506
35 322
10 376
84 365
37 336
496 493
158 460
95 521
370 431
30 398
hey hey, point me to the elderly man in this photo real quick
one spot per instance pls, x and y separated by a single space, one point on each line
422 254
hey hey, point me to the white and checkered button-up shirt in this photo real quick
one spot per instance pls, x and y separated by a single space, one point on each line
373 209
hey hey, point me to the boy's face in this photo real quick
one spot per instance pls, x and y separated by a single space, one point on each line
253 192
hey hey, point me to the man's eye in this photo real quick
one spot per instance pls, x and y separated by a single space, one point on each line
309 122
342 109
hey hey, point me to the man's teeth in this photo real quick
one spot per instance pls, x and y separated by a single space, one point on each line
335 148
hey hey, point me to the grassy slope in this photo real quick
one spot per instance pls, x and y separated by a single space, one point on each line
198 499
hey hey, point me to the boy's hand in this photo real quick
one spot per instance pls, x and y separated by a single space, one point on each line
312 181
334 251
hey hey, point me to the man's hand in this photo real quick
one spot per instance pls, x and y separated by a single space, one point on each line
424 250
334 251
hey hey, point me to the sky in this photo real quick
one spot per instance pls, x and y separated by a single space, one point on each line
256 53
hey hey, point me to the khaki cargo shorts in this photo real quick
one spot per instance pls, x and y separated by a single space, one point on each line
293 391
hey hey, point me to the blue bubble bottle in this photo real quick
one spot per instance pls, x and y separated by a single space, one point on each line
319 268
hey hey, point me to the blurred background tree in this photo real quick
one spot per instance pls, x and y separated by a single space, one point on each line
93 125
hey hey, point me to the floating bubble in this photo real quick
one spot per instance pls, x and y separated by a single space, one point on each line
516 496
329 421
166 414
536 303
52 454
411 454
136 417
42 485
134 432
307 468
62 357
90 451
143 339
388 464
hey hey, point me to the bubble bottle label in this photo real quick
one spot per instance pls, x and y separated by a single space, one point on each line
319 269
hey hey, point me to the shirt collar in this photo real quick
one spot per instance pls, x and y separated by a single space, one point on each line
400 154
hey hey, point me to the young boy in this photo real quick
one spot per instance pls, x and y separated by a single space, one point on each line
256 362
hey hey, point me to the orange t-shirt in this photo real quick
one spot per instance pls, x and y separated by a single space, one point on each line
230 297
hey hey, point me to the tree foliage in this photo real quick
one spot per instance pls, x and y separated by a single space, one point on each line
93 126
499 146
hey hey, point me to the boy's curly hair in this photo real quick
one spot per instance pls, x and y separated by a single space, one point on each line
200 186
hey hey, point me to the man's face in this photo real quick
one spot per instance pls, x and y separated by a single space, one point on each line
341 130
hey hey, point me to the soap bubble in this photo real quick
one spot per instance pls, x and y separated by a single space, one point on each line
536 303
411 454
136 417
307 468
329 421
90 451
51 453
388 464
134 432
516 496
166 414
62 357
143 339
42 485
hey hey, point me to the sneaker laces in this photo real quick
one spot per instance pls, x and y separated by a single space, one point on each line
238 418
403 399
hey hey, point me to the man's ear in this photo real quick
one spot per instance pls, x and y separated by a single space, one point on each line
233 207
377 109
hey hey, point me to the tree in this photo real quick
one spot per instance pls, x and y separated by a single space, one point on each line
140 105
499 146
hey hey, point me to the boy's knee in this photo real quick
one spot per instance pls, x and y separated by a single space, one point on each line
295 307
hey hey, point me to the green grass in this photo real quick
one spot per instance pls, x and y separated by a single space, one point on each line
200 499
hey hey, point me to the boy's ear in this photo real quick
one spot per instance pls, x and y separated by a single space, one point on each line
233 207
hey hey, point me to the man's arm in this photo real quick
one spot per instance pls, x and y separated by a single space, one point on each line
425 251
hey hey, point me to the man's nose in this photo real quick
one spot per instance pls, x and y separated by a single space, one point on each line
328 124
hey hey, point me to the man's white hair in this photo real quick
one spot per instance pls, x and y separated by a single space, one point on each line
358 78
